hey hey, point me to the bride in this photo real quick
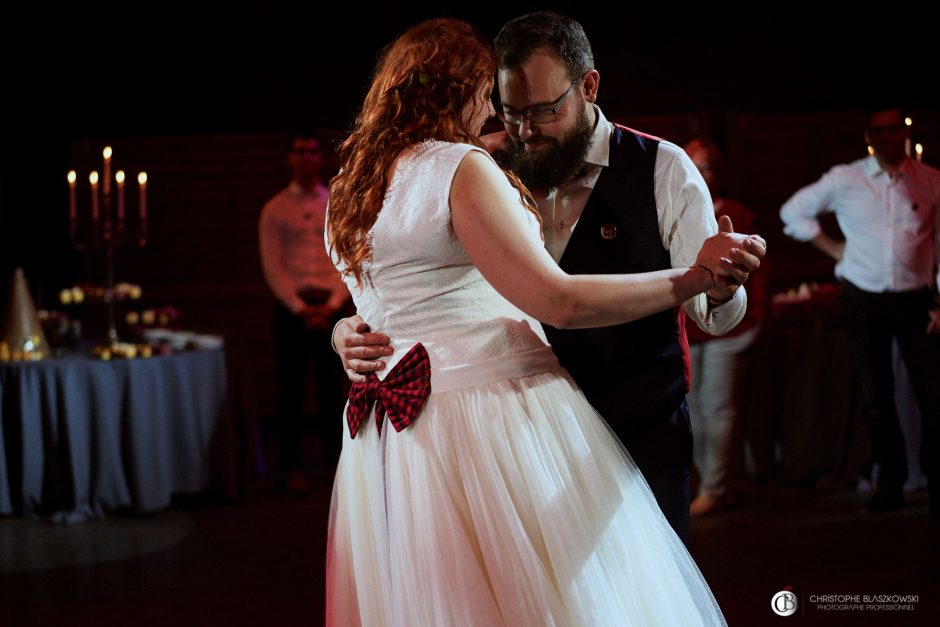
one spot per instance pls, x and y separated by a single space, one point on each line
494 494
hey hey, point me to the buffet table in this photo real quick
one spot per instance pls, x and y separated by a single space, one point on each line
81 436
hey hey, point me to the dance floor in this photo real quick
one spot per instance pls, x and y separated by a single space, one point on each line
259 561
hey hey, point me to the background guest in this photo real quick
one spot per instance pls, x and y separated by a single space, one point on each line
719 362
886 205
310 298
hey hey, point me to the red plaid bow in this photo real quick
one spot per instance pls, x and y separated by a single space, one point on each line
401 395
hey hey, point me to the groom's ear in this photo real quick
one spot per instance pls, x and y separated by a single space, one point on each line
591 82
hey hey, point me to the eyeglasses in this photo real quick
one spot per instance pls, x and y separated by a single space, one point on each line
540 115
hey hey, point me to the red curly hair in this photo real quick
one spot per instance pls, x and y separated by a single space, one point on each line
418 92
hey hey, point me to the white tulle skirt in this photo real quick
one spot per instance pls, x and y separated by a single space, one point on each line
509 503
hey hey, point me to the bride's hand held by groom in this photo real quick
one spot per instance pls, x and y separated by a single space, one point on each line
730 258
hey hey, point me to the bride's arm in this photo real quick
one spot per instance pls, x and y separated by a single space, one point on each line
494 229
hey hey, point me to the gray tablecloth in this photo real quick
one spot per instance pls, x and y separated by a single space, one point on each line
81 437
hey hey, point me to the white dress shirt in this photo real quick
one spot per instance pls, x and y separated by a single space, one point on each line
684 209
290 234
889 223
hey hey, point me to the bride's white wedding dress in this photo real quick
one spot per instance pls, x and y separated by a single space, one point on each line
508 501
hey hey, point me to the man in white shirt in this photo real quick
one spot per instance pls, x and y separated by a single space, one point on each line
612 201
887 206
310 298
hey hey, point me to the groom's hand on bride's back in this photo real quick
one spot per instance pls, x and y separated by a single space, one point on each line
359 349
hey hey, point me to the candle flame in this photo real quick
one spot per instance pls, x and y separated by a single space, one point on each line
908 121
871 150
919 149
106 152
142 178
72 177
93 177
119 177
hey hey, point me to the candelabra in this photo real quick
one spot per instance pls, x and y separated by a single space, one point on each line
109 229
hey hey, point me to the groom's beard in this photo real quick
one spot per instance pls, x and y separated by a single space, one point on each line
555 164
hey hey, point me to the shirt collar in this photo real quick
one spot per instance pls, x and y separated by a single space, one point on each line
907 166
872 168
599 152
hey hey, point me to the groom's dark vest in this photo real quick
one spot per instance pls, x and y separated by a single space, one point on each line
632 373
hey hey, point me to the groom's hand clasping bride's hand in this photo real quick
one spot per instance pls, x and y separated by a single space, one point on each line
730 274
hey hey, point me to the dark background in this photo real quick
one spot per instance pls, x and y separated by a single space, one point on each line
203 95
170 68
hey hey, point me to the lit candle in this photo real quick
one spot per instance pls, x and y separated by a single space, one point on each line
919 151
93 179
907 146
908 121
107 170
119 177
142 180
73 205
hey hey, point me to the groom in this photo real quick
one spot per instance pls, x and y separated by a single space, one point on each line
612 201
